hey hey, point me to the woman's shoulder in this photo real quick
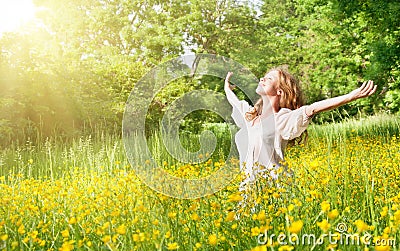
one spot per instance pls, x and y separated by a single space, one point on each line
299 111
299 114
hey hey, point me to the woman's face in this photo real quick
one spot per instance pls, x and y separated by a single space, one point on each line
268 84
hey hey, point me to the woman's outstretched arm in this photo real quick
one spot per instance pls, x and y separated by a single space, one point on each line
230 95
366 90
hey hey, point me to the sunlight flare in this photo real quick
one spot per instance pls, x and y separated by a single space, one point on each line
14 13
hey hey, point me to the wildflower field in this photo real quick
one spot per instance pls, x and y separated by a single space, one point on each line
83 195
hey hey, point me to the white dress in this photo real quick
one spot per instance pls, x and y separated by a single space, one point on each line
261 145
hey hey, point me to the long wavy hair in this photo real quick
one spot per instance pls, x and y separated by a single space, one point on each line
291 98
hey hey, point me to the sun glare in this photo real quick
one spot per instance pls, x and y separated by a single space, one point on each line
14 13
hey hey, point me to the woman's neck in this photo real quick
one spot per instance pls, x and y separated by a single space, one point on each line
270 104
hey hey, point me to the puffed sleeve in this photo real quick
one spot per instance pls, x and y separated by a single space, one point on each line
240 107
292 123
239 112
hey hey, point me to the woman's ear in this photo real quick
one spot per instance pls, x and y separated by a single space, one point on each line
279 92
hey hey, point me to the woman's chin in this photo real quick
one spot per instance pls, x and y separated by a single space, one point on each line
260 92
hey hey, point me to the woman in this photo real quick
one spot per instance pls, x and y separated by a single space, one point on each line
278 117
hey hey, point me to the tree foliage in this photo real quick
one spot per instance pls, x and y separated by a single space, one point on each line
74 68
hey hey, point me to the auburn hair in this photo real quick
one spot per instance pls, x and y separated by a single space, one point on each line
291 98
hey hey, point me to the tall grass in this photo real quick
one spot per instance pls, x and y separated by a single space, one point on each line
382 125
55 156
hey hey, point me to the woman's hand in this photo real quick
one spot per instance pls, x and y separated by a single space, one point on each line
228 77
366 90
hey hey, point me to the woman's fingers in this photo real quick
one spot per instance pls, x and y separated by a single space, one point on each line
367 88
373 90
362 86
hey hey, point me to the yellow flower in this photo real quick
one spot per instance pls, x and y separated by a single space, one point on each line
65 233
285 248
42 243
260 248
21 229
4 237
72 220
384 211
14 244
235 197
106 238
230 216
325 206
314 164
333 214
172 215
261 215
33 234
324 225
172 246
135 237
361 226
212 239
121 229
217 223
386 230
195 217
67 246
296 227
382 248
255 231
167 234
